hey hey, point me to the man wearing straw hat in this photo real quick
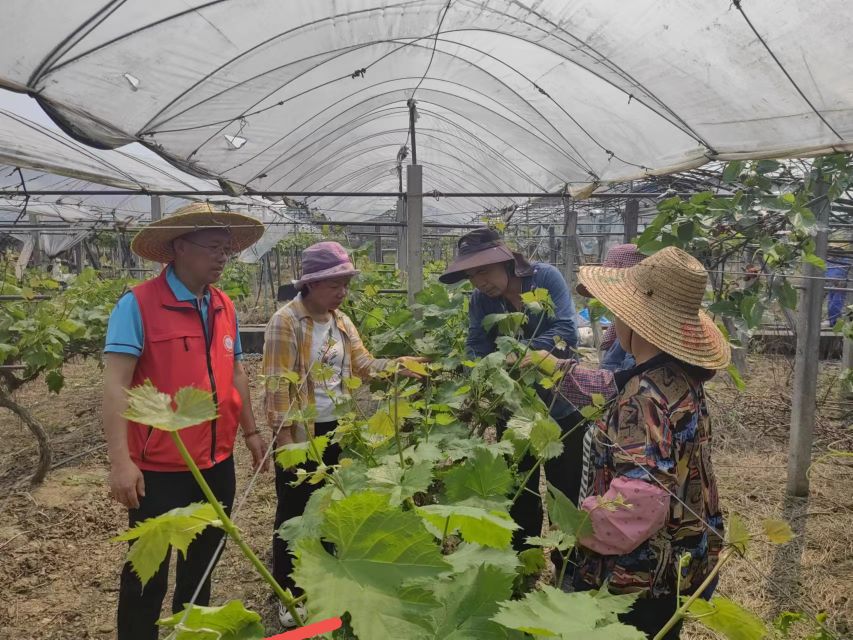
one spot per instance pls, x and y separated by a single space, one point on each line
177 330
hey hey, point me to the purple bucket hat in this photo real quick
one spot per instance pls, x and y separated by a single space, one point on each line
325 260
622 256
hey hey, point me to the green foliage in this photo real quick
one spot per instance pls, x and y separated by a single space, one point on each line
568 616
378 549
466 604
728 618
737 535
153 536
146 405
297 453
475 524
568 518
787 620
482 480
41 335
768 221
231 621
236 280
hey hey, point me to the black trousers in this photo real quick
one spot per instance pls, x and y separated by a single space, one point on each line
564 472
291 503
139 608
650 614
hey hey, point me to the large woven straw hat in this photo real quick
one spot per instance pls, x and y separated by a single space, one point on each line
661 299
154 242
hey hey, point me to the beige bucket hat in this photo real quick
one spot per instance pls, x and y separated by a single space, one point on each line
661 299
154 242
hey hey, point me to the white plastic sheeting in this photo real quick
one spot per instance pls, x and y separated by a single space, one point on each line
512 96
34 158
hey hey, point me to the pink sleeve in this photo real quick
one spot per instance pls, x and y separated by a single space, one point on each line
578 384
621 529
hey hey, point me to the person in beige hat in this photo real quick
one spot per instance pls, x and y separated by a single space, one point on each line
652 448
177 330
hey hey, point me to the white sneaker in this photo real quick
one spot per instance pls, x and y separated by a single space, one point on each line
286 618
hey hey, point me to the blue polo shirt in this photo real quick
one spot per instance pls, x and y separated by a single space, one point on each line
124 330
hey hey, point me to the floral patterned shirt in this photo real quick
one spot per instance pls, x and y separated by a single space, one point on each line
659 431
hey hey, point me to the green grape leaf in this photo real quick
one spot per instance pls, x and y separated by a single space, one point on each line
310 523
296 453
7 351
569 616
231 621
484 480
443 419
737 534
815 261
728 618
55 381
553 540
787 619
567 516
507 323
71 327
146 405
532 561
352 383
378 548
467 602
415 367
382 422
153 536
615 604
778 531
734 374
401 484
545 438
489 528
468 556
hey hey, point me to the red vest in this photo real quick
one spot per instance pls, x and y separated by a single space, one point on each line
177 354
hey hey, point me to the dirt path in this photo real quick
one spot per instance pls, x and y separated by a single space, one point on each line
59 571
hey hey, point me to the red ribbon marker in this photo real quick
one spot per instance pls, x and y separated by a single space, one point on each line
310 630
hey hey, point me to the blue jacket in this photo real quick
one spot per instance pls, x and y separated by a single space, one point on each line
481 343
616 359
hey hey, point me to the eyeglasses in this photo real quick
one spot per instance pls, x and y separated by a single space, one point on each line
224 249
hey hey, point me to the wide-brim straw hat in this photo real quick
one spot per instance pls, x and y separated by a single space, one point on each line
154 242
661 299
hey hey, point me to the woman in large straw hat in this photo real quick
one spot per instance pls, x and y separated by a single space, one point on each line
653 446
308 331
177 330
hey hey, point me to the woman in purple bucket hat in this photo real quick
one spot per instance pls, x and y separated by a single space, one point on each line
307 330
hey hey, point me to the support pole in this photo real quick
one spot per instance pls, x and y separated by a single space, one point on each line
552 245
402 237
415 219
570 242
804 396
156 208
377 245
78 257
632 217
36 256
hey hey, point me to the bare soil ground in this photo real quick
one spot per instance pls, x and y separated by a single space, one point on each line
59 571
